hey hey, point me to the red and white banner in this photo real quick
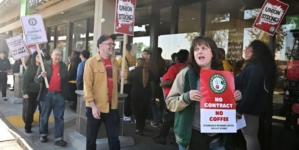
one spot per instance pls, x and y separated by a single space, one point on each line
125 17
218 105
270 16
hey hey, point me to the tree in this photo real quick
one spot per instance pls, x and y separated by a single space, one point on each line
140 47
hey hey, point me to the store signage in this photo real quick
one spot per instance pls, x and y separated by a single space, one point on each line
293 21
34 29
293 69
218 105
125 17
35 3
270 16
17 47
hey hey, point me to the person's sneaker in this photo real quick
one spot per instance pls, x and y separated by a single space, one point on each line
154 124
133 121
4 98
43 139
127 118
139 132
28 131
61 143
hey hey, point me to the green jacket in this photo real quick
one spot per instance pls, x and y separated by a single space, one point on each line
178 101
28 84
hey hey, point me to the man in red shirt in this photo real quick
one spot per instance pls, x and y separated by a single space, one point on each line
167 80
53 97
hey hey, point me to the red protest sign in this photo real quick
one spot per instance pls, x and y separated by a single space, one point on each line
125 17
217 106
270 16
293 69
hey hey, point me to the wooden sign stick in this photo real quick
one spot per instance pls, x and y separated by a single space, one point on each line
42 65
122 81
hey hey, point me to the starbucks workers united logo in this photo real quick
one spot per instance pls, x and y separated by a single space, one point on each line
218 83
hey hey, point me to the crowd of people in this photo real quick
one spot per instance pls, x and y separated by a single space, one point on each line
174 87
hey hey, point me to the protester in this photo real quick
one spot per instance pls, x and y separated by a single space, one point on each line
4 69
84 55
129 62
152 66
185 95
16 69
226 65
100 93
30 91
173 58
53 97
255 81
142 81
161 67
166 84
73 67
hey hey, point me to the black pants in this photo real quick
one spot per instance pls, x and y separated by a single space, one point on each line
166 127
201 140
29 107
73 95
127 107
80 87
140 109
3 81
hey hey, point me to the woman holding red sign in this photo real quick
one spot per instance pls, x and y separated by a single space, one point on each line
255 81
184 97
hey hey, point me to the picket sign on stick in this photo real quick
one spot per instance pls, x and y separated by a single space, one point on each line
23 63
42 65
123 63
261 35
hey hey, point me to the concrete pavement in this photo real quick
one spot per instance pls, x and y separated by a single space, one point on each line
281 138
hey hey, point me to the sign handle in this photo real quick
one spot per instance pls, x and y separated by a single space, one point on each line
42 64
261 35
123 63
23 63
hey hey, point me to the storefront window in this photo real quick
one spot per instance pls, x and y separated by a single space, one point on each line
51 40
79 35
90 34
61 40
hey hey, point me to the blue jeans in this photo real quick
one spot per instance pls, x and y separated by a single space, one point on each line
213 146
56 102
154 110
111 121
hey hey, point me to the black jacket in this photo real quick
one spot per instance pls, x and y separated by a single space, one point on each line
73 69
63 78
251 82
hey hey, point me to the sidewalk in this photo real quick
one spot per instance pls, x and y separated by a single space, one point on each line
11 115
12 118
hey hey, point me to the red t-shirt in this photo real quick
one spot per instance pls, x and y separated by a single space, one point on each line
108 66
171 75
55 83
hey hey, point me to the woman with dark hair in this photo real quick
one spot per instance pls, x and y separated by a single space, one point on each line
255 81
30 91
167 80
142 81
185 95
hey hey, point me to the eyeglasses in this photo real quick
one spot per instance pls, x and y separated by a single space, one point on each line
110 44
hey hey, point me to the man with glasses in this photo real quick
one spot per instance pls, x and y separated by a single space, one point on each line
100 93
53 97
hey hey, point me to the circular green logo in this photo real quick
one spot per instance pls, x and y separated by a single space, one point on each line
218 83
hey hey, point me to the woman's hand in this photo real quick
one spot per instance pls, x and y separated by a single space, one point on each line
237 95
195 95
25 96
